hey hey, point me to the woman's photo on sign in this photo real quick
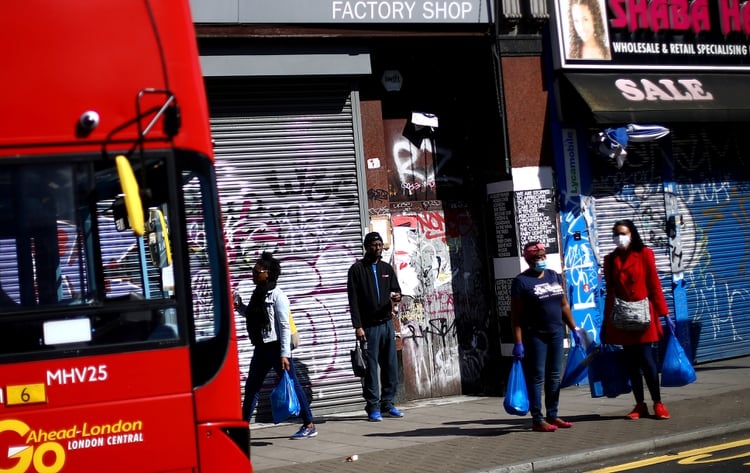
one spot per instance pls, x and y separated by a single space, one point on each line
584 29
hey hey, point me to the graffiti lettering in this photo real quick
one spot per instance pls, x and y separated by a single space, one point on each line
438 328
379 195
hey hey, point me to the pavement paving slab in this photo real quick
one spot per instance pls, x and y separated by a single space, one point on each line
468 434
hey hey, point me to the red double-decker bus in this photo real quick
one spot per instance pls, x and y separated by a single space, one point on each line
117 347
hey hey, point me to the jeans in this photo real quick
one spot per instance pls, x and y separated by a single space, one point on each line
639 359
265 357
381 351
543 366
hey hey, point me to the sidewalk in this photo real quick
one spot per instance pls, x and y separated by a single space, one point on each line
466 434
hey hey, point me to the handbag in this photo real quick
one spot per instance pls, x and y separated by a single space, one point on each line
608 376
516 395
676 369
359 364
631 315
284 400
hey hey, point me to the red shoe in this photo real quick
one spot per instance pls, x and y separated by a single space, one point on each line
543 427
640 410
562 424
660 411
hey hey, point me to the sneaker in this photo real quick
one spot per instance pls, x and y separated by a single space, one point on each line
393 412
305 432
543 426
374 416
660 411
562 424
640 410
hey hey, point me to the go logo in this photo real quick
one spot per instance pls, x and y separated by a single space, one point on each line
27 454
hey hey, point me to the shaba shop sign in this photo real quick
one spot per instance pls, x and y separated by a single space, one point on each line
656 34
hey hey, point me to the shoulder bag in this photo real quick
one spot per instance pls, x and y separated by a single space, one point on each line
295 333
631 315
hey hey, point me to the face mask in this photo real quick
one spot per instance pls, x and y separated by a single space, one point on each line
621 241
540 266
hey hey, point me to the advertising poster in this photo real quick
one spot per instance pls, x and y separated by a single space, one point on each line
652 34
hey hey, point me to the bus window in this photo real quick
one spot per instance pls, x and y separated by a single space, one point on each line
212 321
42 261
62 257
200 268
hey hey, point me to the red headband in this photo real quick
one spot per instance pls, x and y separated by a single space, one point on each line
533 250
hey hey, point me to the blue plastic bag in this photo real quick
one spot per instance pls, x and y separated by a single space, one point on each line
576 370
516 395
284 401
676 369
608 376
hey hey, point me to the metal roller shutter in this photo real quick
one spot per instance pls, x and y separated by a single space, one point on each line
711 172
287 173
635 192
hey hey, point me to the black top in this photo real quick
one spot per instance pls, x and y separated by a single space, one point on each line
367 309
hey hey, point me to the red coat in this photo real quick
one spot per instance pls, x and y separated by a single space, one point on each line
633 278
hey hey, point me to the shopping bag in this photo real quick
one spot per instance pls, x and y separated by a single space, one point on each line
359 363
576 370
676 369
284 401
608 376
516 395
579 358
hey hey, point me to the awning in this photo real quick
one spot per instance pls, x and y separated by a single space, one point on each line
654 97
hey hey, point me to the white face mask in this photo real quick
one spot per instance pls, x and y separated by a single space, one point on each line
621 241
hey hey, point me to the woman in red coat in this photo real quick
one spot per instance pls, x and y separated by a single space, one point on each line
630 272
